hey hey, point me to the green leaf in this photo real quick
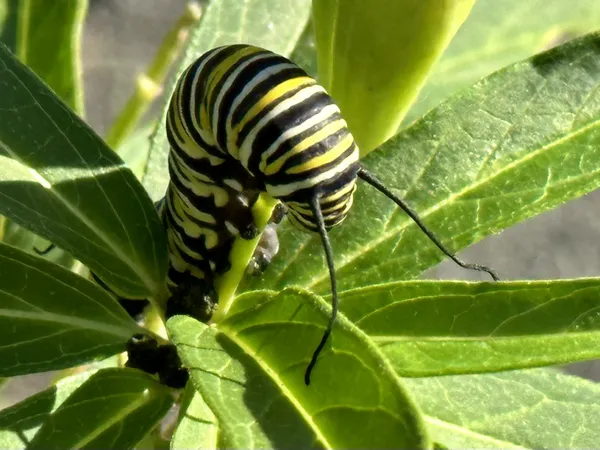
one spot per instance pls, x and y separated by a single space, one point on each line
516 144
48 41
46 37
17 236
197 426
52 319
58 179
272 24
373 57
440 328
134 149
501 32
8 23
251 374
305 51
20 422
114 408
532 409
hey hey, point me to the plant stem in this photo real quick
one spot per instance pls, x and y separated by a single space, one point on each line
23 17
241 253
149 84
3 223
154 322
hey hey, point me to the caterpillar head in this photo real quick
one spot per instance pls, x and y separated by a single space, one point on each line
333 199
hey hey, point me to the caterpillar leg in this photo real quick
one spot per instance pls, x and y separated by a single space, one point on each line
373 181
267 248
268 245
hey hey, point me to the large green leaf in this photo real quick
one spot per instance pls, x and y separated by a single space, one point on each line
114 408
531 409
250 372
51 318
498 33
58 179
197 427
48 41
374 57
272 24
518 143
441 328
20 422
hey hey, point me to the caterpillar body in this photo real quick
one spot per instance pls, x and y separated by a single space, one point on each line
244 121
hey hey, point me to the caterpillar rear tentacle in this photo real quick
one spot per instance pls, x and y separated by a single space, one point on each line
45 251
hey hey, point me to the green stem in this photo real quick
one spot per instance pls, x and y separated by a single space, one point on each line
154 321
22 45
241 253
3 223
149 84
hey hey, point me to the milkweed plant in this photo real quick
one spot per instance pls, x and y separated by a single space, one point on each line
479 116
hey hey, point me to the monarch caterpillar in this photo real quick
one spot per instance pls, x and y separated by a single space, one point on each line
243 121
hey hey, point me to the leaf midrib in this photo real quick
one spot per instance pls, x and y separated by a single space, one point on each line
75 323
465 431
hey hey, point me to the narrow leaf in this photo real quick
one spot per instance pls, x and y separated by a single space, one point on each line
49 35
52 319
526 409
8 23
134 149
20 422
305 51
441 328
23 239
272 24
516 144
501 32
251 375
58 179
374 57
114 408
